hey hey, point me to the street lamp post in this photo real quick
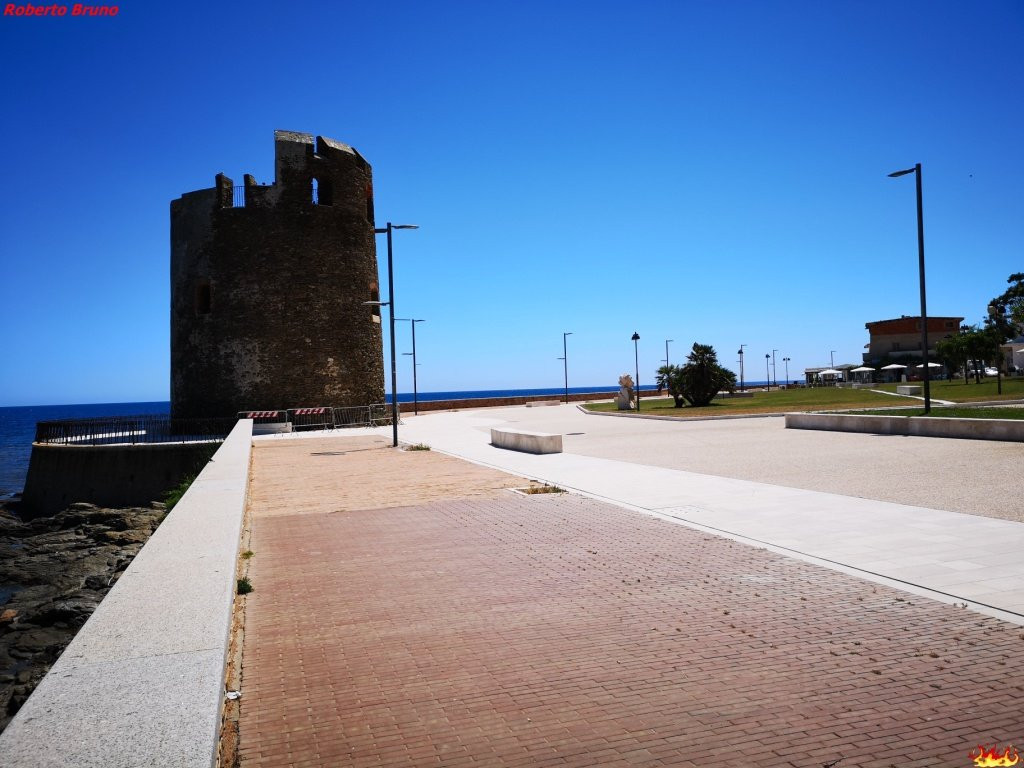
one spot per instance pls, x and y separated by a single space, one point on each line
916 170
832 358
666 351
636 358
415 390
391 315
775 376
786 361
767 375
740 353
565 363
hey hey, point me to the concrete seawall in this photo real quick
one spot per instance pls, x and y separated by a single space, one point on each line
142 683
108 475
1011 430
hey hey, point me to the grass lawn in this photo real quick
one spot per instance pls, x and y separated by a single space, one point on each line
776 401
952 413
958 392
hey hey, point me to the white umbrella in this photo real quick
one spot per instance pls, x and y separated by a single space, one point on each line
829 372
862 369
930 365
892 367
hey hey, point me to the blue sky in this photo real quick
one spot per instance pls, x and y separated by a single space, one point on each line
696 171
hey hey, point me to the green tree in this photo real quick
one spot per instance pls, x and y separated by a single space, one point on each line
1006 311
671 377
953 352
703 377
981 347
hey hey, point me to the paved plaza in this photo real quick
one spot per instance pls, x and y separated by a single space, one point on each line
937 516
412 610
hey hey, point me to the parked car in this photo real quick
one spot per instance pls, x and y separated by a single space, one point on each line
991 372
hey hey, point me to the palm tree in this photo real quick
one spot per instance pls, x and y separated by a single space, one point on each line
671 377
702 376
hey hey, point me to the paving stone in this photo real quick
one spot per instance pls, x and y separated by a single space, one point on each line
498 629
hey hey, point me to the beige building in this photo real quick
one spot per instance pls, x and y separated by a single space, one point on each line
901 337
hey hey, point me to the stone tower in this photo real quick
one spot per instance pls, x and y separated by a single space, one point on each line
268 285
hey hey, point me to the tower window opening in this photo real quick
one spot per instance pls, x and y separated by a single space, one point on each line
322 192
375 296
203 297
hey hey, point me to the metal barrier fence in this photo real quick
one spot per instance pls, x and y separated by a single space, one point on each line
311 418
376 415
131 429
264 417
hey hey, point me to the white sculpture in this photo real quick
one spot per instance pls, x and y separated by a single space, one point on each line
624 400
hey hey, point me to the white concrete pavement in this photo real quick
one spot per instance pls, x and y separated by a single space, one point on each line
945 555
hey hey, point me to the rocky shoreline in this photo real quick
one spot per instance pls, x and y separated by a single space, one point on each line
54 571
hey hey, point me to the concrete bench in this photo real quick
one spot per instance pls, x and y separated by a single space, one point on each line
908 389
528 442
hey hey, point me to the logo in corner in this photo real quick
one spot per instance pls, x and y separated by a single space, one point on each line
991 757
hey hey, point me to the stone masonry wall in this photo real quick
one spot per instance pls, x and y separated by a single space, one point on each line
267 298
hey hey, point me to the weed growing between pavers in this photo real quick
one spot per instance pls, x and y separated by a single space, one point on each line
247 554
418 447
245 586
545 488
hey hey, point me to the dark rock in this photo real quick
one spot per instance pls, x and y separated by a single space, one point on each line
135 536
74 610
55 570
41 640
98 581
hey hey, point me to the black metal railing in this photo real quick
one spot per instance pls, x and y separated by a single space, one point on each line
162 428
132 429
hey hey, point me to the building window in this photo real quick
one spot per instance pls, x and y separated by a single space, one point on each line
203 297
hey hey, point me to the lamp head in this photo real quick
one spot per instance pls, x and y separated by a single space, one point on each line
896 174
636 336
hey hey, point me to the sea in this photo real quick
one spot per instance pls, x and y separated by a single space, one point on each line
18 424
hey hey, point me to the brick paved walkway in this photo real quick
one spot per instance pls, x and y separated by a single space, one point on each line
559 631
